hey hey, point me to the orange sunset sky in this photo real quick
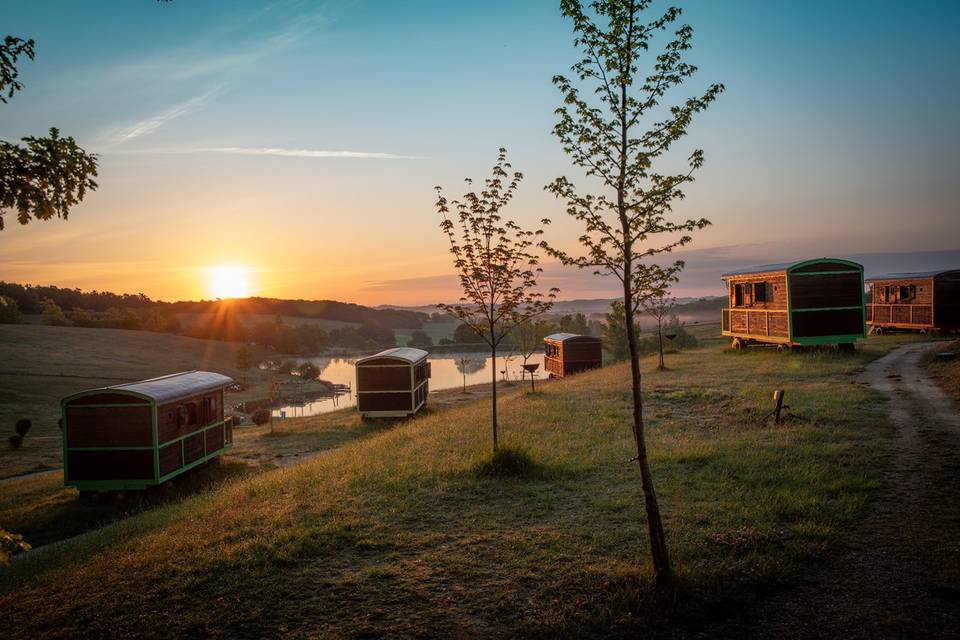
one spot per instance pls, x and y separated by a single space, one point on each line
300 142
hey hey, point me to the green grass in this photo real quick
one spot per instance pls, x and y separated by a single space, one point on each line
397 534
945 372
39 365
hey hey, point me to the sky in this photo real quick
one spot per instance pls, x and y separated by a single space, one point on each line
301 141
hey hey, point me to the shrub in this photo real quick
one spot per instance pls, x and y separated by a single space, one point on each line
23 427
261 416
508 462
10 544
236 418
15 441
308 371
9 311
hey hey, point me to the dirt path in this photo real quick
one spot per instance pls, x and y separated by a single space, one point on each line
898 574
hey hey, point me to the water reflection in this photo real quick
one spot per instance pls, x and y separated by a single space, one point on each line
447 371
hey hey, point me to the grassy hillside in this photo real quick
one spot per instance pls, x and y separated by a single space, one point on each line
399 534
39 365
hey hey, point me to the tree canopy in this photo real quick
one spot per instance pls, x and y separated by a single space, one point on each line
496 261
40 177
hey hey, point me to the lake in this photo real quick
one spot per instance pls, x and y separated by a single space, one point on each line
447 371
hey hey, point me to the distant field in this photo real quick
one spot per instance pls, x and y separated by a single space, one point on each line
250 319
39 365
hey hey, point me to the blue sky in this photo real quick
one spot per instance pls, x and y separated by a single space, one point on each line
215 122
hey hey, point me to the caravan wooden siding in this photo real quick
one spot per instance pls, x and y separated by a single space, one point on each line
805 303
393 383
135 435
569 353
915 301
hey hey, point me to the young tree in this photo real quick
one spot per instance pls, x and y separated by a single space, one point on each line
602 130
245 361
659 304
43 177
467 364
529 336
496 262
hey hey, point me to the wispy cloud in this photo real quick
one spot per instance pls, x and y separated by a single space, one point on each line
267 151
281 26
151 124
306 153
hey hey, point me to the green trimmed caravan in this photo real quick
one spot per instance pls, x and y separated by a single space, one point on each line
807 303
140 434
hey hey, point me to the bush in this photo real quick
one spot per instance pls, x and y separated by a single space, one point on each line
23 427
11 543
15 441
308 371
9 311
261 416
236 419
509 462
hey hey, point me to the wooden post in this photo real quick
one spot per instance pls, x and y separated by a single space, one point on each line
778 401
274 387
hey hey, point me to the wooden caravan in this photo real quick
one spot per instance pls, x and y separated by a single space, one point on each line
915 301
814 302
392 383
134 435
568 353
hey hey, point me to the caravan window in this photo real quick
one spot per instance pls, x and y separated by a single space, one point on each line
760 291
908 292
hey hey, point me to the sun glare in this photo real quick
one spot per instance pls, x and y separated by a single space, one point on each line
229 281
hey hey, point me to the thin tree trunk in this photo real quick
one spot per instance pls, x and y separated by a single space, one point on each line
663 574
658 541
660 338
493 367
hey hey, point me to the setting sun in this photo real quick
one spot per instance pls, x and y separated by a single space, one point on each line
229 281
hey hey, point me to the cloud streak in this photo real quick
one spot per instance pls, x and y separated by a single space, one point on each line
307 153
151 124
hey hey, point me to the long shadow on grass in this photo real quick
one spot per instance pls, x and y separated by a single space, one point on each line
62 513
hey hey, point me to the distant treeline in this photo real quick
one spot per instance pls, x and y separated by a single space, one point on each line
323 309
29 299
262 321
216 319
